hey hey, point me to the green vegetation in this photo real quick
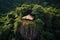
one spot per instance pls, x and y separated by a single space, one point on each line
46 13
47 19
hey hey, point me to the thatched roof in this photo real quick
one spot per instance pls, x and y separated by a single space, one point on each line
29 17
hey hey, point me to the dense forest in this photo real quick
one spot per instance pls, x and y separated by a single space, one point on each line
46 13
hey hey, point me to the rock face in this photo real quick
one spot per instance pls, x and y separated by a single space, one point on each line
28 33
28 17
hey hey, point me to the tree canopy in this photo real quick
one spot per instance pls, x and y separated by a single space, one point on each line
47 19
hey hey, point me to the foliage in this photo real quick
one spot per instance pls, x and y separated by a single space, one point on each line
47 19
8 5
